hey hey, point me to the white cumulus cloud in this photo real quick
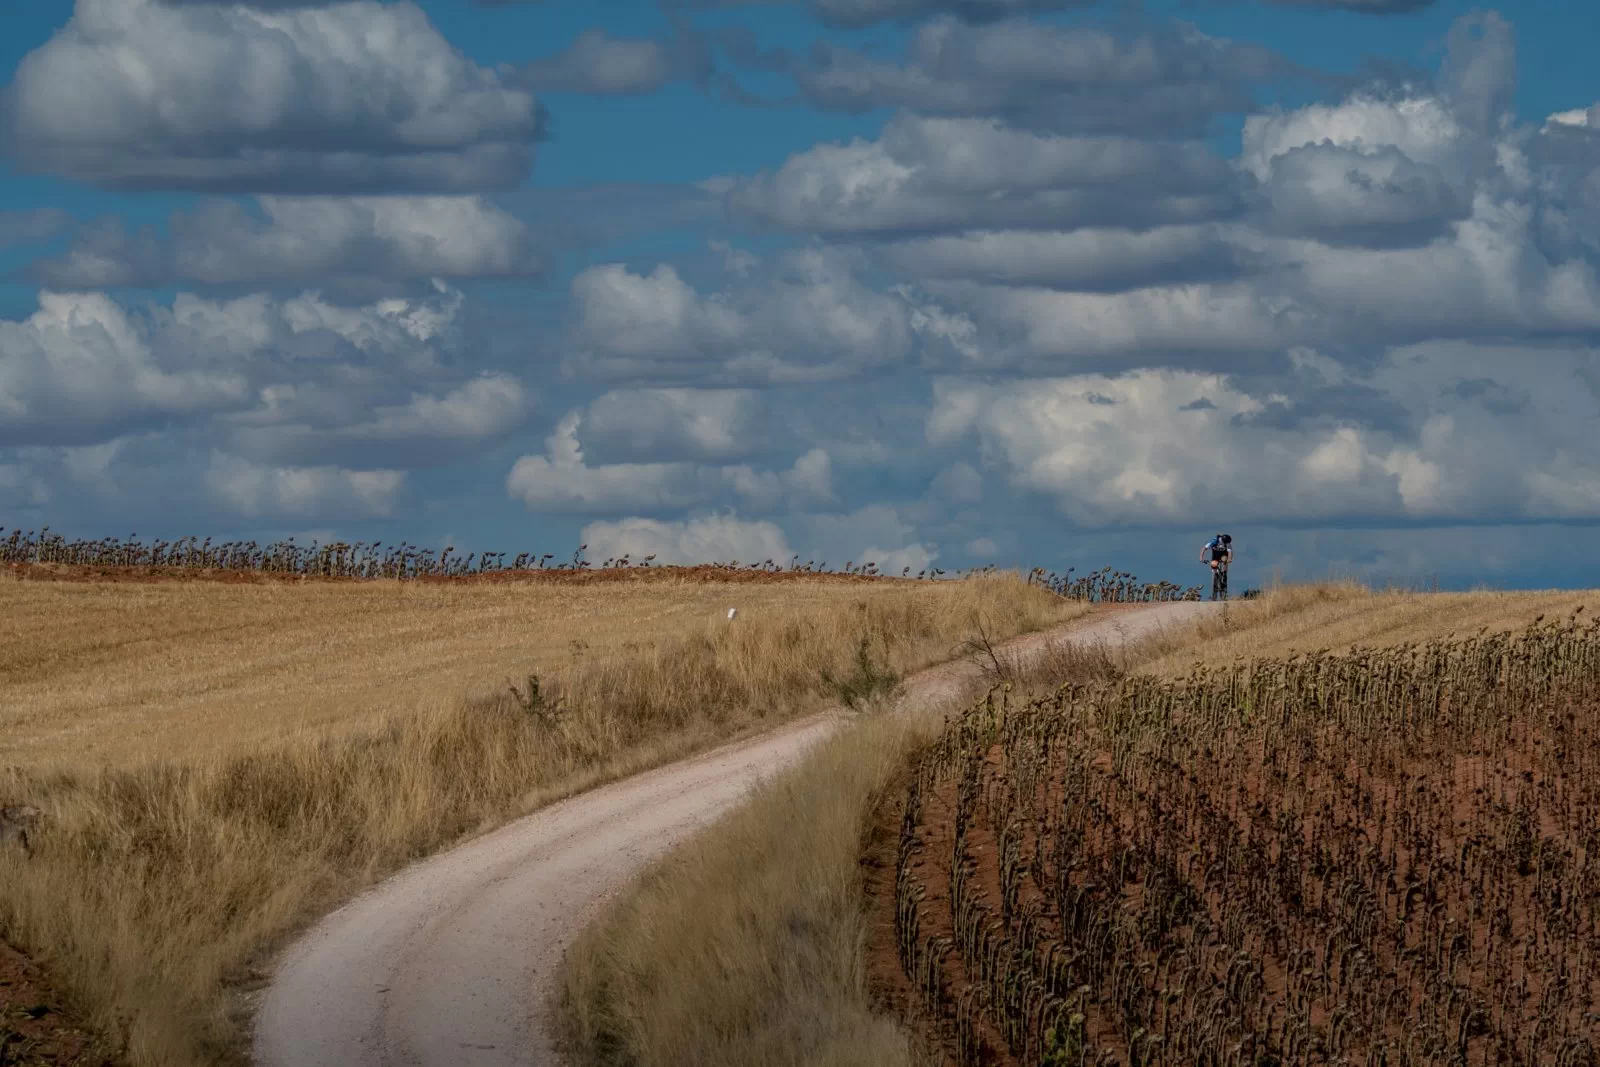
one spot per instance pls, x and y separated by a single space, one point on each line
707 539
297 239
809 318
563 481
347 97
255 491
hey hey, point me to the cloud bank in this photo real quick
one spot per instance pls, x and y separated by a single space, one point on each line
1034 315
352 97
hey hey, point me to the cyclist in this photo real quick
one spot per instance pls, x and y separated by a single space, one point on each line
1220 551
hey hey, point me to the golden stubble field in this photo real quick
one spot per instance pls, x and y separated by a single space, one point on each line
116 673
220 761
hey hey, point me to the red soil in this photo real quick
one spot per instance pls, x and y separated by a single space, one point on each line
36 1030
1474 810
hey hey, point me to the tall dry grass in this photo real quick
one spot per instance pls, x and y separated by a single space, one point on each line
746 946
157 887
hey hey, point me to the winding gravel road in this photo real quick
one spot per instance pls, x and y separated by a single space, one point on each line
450 962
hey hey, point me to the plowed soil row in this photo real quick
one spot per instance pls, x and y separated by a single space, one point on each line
1482 856
890 986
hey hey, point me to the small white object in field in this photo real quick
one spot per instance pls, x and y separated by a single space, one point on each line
732 612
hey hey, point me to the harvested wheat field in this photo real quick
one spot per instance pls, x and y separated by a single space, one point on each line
220 761
117 666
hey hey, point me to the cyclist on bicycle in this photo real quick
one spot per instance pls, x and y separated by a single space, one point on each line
1220 551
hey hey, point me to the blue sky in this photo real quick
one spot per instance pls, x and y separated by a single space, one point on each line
930 282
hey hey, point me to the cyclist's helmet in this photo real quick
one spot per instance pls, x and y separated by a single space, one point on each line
1226 539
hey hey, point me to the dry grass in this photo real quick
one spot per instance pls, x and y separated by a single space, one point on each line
744 946
156 886
736 950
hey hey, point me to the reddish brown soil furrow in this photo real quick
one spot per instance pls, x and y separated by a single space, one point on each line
1346 882
36 1030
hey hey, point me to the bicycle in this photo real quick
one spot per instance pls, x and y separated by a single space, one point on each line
1220 549
1219 581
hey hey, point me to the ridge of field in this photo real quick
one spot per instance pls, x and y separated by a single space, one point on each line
1339 615
647 985
220 762
46 554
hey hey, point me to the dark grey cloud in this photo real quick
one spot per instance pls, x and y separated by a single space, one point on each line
1499 398
1569 140
1381 199
599 63
259 5
865 12
1073 79
927 176
1327 406
855 14
345 98
300 240
1367 7
1089 259
1567 154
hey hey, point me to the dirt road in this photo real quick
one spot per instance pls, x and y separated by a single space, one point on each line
450 961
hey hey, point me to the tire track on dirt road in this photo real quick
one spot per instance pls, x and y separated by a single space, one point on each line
450 961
